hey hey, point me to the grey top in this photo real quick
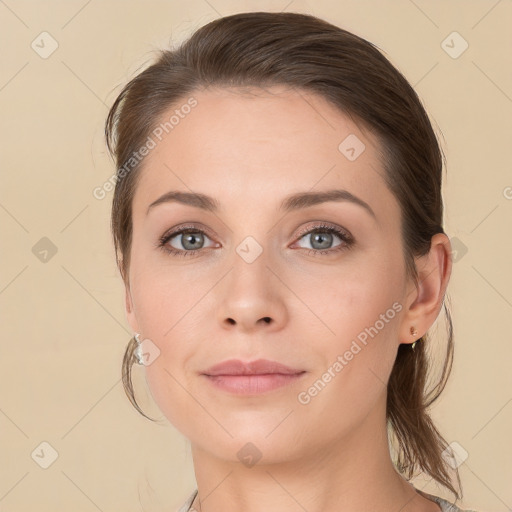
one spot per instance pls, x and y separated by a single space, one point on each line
445 506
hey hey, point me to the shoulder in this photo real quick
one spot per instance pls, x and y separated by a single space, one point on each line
186 506
445 505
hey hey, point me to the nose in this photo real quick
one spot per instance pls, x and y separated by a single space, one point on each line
252 297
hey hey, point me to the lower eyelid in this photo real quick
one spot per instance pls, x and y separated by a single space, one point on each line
345 238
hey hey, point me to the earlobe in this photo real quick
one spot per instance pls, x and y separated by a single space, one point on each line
424 303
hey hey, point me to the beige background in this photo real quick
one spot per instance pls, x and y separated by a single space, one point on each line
63 321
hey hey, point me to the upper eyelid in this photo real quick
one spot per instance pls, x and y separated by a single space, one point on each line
326 226
319 226
347 240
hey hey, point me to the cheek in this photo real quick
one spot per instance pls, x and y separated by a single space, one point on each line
357 361
164 306
343 304
356 319
161 298
166 315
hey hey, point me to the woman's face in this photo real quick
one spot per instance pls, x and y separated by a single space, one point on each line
334 304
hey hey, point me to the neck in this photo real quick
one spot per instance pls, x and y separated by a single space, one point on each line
353 473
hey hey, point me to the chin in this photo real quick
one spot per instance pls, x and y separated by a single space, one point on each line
253 451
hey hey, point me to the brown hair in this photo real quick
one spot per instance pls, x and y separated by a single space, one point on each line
307 53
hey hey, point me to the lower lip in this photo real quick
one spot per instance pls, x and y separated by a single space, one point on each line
252 384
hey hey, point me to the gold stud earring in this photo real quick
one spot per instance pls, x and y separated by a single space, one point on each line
413 332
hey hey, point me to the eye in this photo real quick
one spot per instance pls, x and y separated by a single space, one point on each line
321 238
185 241
189 240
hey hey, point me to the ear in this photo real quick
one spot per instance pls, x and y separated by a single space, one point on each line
424 302
130 313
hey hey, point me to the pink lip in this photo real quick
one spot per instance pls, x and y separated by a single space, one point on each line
258 367
253 377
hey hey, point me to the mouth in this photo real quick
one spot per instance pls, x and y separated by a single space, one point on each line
254 377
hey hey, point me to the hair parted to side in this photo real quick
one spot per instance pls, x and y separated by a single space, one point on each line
309 54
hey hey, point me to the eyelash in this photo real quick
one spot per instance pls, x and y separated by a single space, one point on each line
343 235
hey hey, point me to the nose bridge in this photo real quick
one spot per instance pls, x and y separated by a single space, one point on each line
252 297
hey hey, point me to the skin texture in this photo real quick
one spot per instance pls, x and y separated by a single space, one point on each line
249 150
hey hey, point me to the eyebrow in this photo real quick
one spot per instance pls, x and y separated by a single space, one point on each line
294 202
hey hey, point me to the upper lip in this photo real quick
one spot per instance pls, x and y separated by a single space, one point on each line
257 367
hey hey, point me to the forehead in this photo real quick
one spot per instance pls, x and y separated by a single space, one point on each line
241 143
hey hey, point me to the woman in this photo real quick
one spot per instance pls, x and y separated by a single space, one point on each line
277 221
